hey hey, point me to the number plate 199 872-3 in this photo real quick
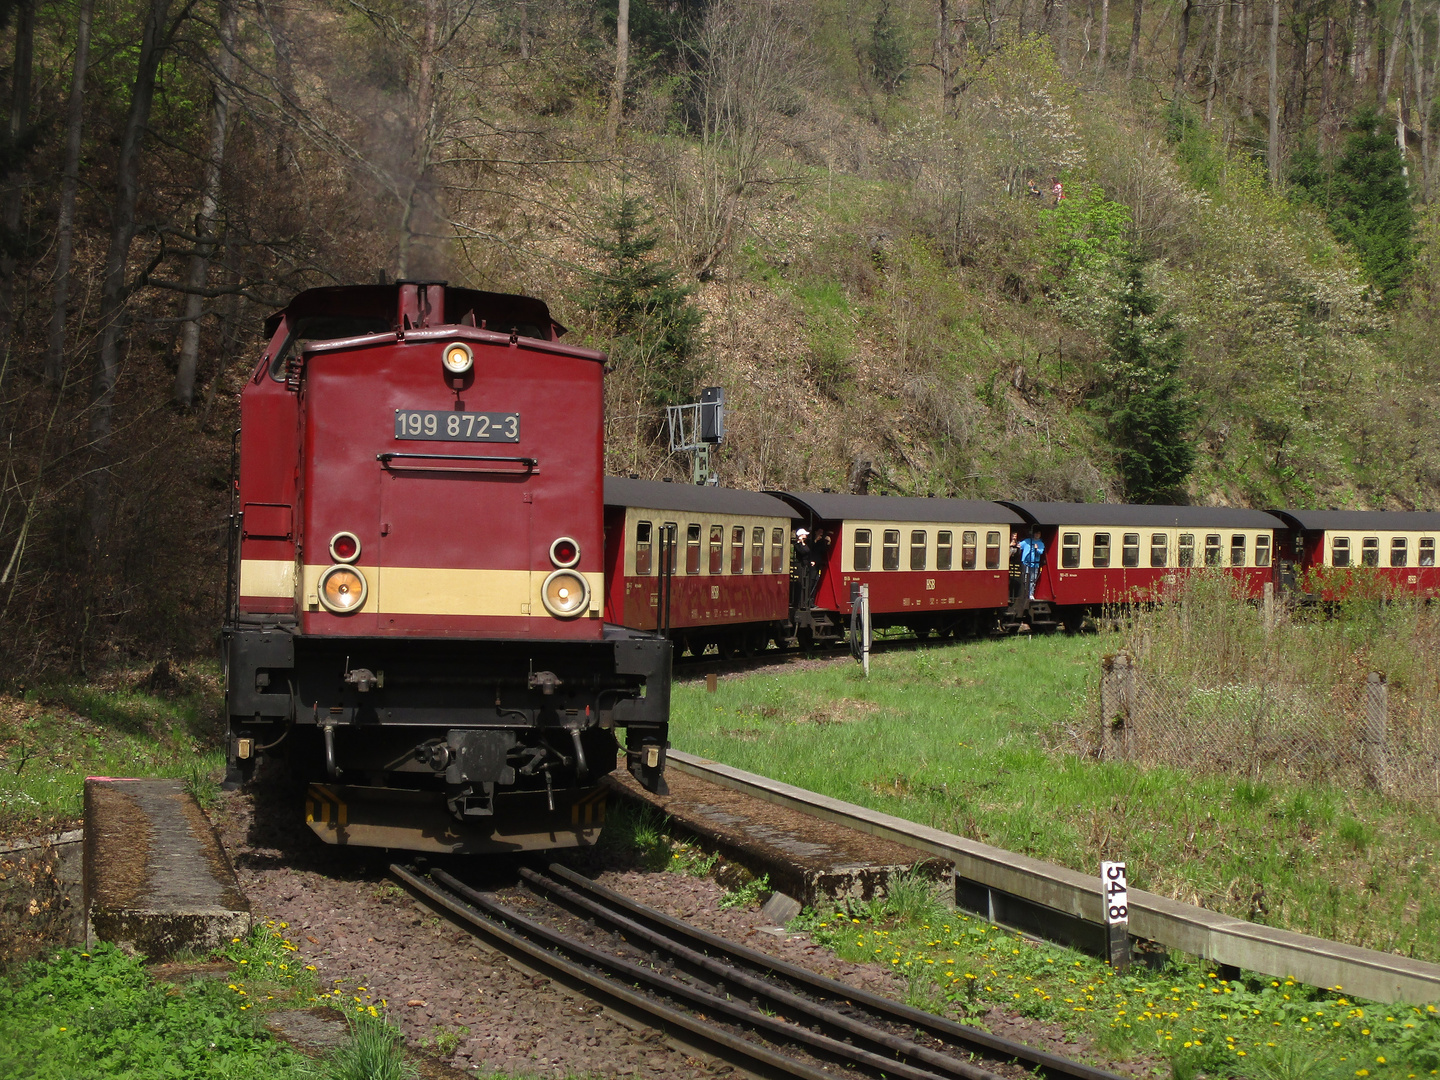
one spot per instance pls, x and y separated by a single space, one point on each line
435 425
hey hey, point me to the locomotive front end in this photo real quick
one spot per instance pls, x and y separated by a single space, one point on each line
432 661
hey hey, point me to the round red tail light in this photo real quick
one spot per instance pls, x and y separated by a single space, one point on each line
344 547
565 552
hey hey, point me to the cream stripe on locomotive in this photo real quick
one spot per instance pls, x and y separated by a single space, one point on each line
1100 547
924 545
267 577
697 541
418 590
1357 547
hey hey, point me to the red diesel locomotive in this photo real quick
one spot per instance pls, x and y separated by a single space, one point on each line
416 618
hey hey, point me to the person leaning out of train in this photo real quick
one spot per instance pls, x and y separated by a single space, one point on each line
1032 554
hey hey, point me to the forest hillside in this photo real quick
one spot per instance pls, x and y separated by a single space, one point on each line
1106 249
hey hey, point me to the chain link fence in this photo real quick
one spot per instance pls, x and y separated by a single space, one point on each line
1348 733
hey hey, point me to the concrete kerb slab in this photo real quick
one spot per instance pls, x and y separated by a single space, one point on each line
1071 895
156 880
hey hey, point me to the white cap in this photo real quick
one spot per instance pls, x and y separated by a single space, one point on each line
802 532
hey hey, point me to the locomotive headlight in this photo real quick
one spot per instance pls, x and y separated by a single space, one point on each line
565 552
458 358
565 594
343 589
344 547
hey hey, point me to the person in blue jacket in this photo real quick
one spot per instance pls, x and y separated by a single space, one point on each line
1032 555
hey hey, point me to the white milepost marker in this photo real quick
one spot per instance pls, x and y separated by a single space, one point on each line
1115 899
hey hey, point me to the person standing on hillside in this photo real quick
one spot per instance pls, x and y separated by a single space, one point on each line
1032 555
1057 189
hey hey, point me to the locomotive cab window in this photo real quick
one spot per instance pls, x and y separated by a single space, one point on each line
643 530
1185 550
1340 551
717 548
1100 550
1159 549
1427 551
1070 550
919 545
1370 551
944 549
737 549
757 550
1212 549
992 550
777 551
1237 549
1130 549
1399 551
890 553
324 328
967 549
692 549
861 552
1262 550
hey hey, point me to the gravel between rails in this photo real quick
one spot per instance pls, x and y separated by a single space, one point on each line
352 922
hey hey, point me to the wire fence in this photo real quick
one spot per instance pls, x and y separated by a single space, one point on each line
1349 733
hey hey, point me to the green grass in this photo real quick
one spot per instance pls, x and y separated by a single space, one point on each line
54 736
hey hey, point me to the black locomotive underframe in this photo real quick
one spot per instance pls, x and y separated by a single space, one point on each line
459 717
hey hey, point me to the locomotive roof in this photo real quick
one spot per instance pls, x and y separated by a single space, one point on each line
1359 520
623 491
500 311
825 506
1121 514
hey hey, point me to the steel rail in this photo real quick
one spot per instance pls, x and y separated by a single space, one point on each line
1051 1065
821 1045
660 1013
791 1003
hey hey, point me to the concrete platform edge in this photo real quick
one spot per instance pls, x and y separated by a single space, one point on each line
1209 934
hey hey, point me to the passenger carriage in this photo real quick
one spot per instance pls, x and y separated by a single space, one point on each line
933 565
711 565
1332 554
1110 553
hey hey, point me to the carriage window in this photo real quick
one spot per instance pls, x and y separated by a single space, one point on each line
919 541
1370 551
757 550
1159 549
1399 551
862 549
890 555
1237 549
992 551
777 551
1340 551
1185 550
1427 551
1070 550
1262 550
1212 549
642 548
1100 550
1130 549
692 549
669 538
717 548
944 549
967 550
737 549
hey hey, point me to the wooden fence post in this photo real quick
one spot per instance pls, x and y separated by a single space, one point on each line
1116 689
1269 606
1373 734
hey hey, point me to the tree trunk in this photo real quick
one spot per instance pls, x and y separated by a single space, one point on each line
113 292
1327 80
1274 146
1215 61
1104 32
1182 40
225 63
1134 39
1245 54
415 217
1382 96
69 184
942 50
622 65
21 71
1419 93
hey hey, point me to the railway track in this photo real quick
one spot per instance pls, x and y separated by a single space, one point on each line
743 1004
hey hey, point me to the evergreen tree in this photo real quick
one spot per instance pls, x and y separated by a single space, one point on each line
1147 411
654 325
1370 202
